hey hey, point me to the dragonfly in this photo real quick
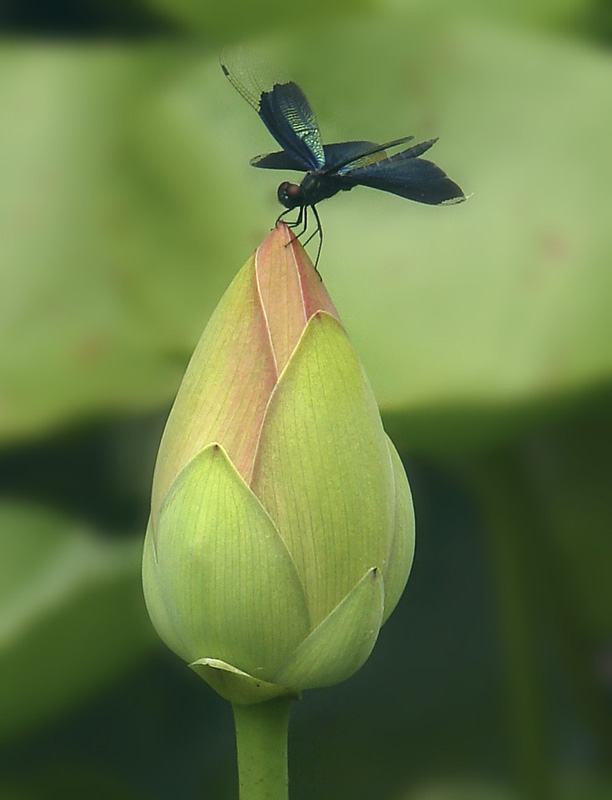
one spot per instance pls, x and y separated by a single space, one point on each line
330 168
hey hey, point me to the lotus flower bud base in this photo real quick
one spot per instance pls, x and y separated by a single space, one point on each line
281 532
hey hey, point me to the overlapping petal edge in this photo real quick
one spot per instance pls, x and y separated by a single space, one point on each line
251 335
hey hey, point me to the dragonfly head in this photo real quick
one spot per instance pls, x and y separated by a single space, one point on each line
290 195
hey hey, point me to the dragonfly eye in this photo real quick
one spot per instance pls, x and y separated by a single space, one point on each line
290 195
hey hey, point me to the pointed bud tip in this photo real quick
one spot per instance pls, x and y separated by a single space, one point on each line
282 229
282 236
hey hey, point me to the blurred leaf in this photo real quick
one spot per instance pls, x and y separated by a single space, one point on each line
549 14
128 204
570 475
461 790
93 243
239 18
475 319
71 615
221 21
586 789
69 781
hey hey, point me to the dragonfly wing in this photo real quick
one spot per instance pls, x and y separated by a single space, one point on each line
406 175
282 106
280 160
288 116
334 154
359 154
375 154
339 152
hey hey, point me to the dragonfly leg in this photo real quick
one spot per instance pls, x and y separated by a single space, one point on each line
301 220
296 223
280 216
305 225
319 230
293 224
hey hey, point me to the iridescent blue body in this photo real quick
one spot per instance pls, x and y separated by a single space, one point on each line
332 168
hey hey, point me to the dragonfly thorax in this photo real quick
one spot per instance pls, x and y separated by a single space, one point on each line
336 167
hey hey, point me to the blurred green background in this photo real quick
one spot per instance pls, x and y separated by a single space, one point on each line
126 206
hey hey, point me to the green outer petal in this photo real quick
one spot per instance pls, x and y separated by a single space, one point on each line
234 591
155 601
323 470
225 391
402 550
342 642
237 686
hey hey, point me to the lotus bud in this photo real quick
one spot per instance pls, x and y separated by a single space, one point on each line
281 533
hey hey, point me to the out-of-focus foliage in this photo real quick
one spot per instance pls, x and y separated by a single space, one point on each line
127 204
237 18
96 234
71 615
514 316
218 21
125 18
460 790
130 166
571 478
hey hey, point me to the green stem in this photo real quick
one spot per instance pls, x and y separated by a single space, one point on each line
261 741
